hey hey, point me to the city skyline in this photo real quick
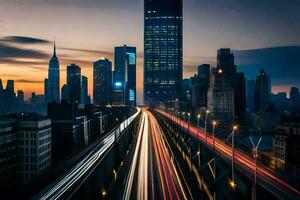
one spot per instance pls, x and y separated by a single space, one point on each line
204 33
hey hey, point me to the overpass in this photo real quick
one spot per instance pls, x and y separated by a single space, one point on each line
240 160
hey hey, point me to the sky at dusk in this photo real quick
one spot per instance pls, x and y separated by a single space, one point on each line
86 30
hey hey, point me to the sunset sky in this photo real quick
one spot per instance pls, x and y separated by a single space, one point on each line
86 30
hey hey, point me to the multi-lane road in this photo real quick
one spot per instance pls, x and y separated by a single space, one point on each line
242 161
153 173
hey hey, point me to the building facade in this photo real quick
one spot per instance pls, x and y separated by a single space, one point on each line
162 51
34 147
124 83
102 74
227 91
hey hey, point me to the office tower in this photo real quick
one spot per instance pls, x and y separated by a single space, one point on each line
74 83
102 74
84 90
262 91
53 78
35 146
227 91
162 51
46 89
124 83
250 95
65 93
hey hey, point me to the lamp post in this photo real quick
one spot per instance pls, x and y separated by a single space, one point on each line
255 147
232 183
213 136
198 125
190 149
207 112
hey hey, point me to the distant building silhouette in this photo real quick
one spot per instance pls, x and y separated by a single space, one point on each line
162 51
52 88
262 91
65 93
74 83
84 90
295 98
102 75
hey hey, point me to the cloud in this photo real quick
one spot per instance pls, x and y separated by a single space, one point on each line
11 52
88 51
28 81
24 40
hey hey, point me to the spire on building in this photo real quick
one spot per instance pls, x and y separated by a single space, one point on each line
54 52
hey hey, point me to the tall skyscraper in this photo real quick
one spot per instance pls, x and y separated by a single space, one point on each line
74 83
102 74
227 92
53 78
262 91
124 83
84 90
162 51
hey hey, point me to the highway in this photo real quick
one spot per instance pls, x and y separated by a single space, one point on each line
71 177
153 173
241 161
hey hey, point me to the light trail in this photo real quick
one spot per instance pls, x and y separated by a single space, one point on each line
241 159
130 177
63 184
169 177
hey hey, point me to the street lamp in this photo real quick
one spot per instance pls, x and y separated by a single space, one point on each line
255 147
198 121
232 183
207 112
213 136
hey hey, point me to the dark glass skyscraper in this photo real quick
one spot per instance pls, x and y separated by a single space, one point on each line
162 50
53 79
74 83
102 74
124 83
